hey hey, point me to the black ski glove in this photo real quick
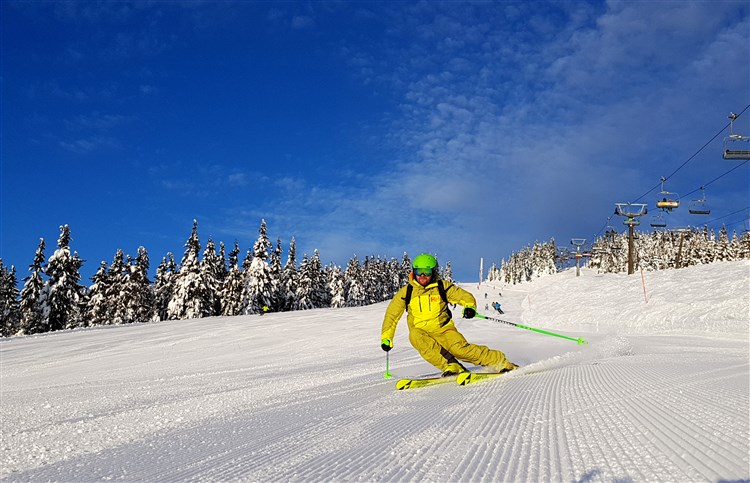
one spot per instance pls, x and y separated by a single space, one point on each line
386 345
469 312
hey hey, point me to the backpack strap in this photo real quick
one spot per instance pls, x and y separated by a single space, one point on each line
444 296
407 297
441 289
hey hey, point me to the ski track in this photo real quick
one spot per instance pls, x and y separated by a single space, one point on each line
621 418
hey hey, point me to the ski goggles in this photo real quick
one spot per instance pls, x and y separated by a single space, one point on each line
419 272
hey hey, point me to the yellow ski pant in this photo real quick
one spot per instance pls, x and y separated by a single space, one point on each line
445 345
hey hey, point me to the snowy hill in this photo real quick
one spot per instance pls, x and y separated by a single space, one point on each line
660 393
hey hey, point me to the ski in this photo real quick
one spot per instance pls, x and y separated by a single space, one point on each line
470 377
462 379
423 382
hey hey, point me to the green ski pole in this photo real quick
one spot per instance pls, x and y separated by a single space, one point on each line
579 340
387 373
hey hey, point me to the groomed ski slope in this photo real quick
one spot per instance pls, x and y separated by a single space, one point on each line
661 393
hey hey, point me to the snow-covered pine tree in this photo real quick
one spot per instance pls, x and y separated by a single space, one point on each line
354 284
289 279
246 263
213 272
403 273
336 287
139 302
311 284
548 263
97 307
371 280
492 273
116 295
32 321
223 269
395 275
234 285
163 287
448 272
63 292
190 298
326 274
744 245
276 278
319 294
721 250
10 313
259 285
303 296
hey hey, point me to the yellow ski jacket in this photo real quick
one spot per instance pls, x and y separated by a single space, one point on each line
427 310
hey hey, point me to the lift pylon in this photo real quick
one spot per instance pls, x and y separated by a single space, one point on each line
631 212
578 242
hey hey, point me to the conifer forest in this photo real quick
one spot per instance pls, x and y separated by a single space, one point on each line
209 282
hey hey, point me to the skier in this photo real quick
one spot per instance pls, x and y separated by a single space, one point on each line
497 306
431 331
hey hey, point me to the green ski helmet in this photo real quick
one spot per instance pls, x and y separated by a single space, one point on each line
425 260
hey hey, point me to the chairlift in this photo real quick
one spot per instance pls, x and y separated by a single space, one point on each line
699 207
736 146
658 221
631 210
669 200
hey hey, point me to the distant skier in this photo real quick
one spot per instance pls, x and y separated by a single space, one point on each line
431 330
496 306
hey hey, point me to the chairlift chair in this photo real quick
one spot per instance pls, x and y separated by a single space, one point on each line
733 147
658 221
631 210
669 200
736 146
699 207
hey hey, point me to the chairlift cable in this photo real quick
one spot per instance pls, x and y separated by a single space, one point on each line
730 214
717 178
693 156
662 179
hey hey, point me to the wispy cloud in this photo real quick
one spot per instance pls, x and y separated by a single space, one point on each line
237 179
91 145
97 121
302 21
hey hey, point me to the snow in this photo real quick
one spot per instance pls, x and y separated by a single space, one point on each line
660 393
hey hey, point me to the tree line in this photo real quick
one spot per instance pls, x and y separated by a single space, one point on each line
668 249
203 284
609 254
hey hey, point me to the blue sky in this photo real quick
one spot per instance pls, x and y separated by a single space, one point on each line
466 129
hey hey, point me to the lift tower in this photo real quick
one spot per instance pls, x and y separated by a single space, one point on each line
631 212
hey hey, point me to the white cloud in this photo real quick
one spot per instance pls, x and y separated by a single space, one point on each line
302 21
237 179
